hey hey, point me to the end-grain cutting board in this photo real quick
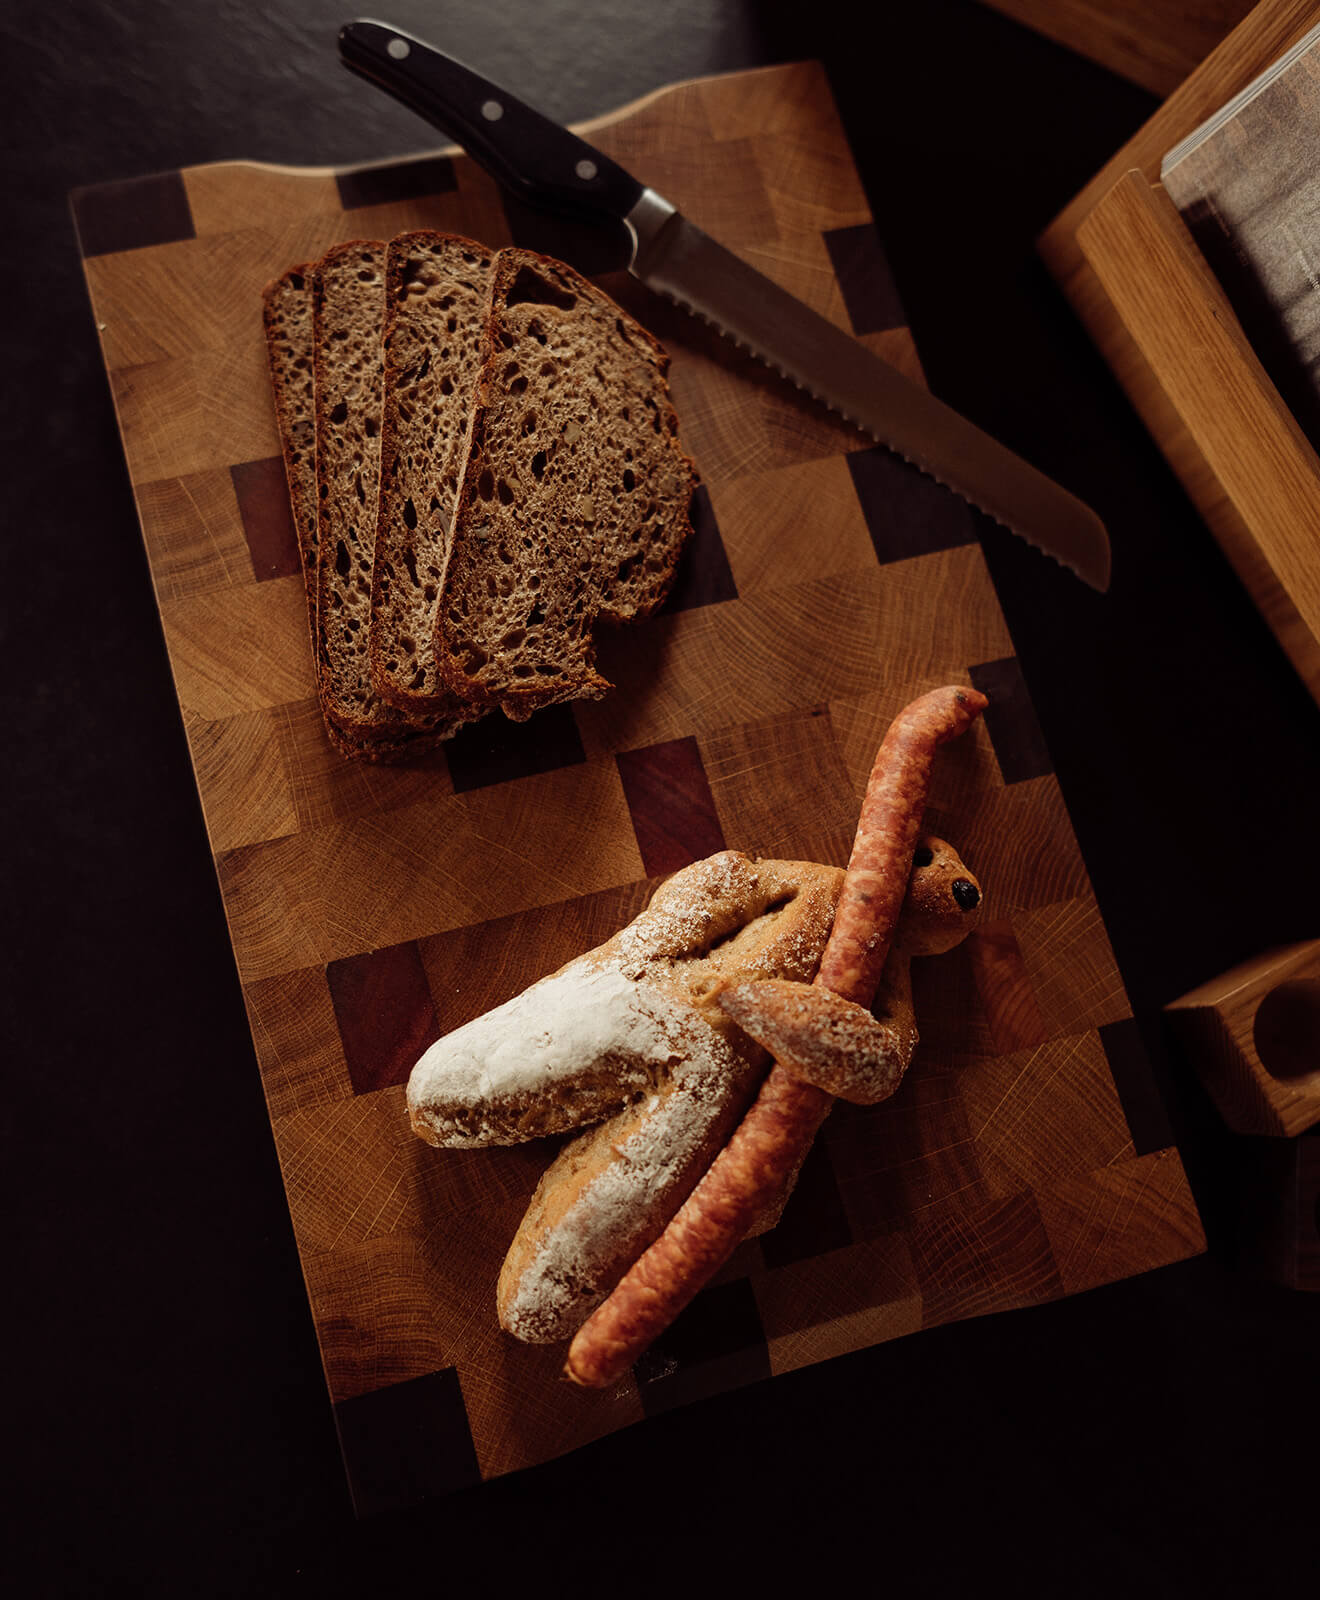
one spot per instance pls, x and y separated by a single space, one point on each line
1025 1157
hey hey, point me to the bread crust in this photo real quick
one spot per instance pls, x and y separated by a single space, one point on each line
612 1189
382 752
437 293
345 555
286 316
288 324
393 680
487 529
606 1030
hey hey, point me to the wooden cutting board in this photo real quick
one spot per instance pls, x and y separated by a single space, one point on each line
1026 1156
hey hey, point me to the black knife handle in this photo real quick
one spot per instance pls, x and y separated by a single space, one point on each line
539 161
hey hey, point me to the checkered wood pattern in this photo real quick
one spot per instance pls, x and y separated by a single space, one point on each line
372 909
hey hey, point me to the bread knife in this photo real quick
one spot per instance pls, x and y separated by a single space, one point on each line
545 165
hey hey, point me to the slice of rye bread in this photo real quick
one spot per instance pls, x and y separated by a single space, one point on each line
286 306
348 310
436 290
574 502
409 746
287 318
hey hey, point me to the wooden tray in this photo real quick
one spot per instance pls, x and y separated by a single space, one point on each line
1123 256
1026 1156
1155 43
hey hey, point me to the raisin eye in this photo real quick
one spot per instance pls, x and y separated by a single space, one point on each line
965 893
923 857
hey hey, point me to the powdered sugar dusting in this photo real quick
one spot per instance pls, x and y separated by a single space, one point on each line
591 1038
730 915
629 1032
656 1155
703 903
536 1044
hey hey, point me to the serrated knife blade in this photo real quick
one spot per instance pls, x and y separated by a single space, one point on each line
546 165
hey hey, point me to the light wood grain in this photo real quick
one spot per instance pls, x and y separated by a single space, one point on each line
1155 43
786 649
1238 451
330 891
1264 35
829 1305
1215 415
1093 1219
1253 1033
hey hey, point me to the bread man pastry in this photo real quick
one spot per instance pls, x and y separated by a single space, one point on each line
607 1029
644 1032
628 1036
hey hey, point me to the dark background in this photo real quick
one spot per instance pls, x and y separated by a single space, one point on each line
168 1430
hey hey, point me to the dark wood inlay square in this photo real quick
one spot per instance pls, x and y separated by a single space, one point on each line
406 1442
718 1343
1133 1069
384 1012
704 577
1003 985
814 1220
864 278
132 214
1010 720
262 492
907 512
496 750
673 811
400 180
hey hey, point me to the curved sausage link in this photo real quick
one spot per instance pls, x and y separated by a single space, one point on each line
744 1178
881 860
778 1129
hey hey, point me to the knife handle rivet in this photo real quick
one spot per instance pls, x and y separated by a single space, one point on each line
398 48
586 170
492 110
